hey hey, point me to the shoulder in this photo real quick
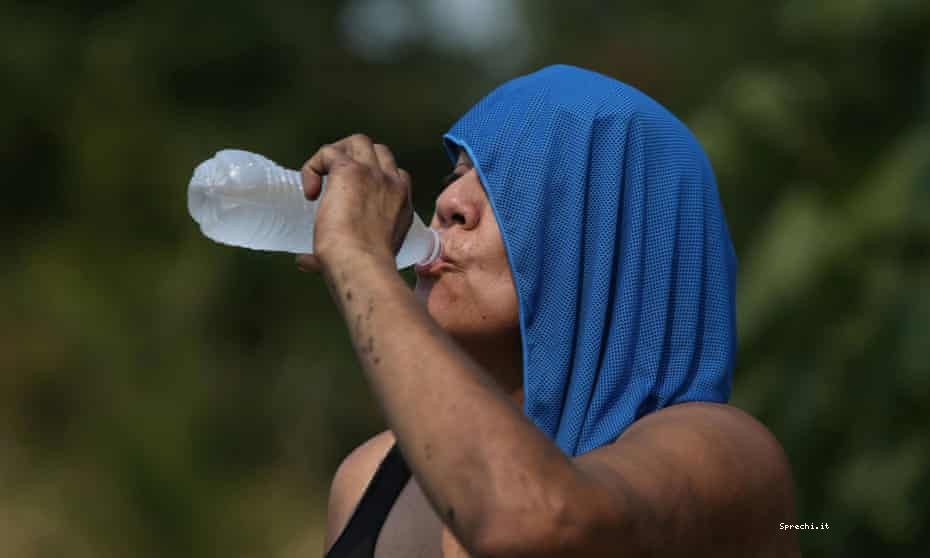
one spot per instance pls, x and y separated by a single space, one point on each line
708 475
710 429
350 481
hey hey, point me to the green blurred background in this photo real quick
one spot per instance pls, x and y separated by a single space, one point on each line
162 395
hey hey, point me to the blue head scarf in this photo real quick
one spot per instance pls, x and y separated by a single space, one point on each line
620 254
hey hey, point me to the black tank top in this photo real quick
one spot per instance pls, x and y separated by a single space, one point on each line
358 538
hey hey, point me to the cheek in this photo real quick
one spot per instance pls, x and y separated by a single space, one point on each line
464 248
499 303
471 303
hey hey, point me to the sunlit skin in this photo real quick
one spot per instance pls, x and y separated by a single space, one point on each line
473 298
443 361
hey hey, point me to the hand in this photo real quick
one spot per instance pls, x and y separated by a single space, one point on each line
366 207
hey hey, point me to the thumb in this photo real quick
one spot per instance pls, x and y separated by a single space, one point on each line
311 182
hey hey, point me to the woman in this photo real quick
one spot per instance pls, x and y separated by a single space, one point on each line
556 383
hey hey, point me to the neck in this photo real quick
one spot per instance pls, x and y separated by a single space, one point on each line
504 366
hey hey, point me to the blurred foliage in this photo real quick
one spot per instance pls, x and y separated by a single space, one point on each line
164 395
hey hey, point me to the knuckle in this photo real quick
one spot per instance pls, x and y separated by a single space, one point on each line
354 165
308 164
403 187
351 168
360 138
385 153
330 150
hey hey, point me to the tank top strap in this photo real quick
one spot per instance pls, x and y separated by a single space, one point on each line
359 536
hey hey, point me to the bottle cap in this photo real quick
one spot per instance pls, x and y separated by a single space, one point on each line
436 250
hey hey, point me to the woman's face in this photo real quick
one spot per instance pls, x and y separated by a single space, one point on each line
470 290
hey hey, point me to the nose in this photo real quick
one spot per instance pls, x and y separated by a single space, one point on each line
454 208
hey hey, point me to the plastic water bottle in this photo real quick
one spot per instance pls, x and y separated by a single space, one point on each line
243 199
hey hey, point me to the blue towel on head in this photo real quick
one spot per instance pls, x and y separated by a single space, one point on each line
618 246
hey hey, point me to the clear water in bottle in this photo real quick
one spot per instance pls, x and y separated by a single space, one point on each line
244 199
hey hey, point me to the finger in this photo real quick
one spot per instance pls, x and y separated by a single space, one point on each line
386 160
401 232
405 178
362 149
311 182
319 164
405 181
308 263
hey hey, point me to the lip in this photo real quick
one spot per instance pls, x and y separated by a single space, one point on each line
435 268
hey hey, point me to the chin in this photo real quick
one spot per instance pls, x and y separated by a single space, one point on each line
443 308
434 296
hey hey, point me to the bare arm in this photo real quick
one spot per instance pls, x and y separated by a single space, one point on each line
482 464
690 477
695 479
